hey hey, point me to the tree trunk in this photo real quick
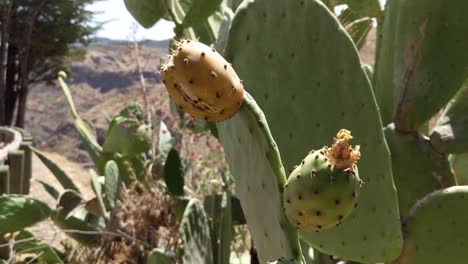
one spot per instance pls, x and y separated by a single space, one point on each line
11 91
24 66
4 36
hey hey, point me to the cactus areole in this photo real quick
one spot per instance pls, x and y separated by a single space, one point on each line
323 190
201 82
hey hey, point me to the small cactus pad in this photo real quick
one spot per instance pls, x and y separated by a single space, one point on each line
284 261
417 168
309 90
201 82
323 190
194 235
435 228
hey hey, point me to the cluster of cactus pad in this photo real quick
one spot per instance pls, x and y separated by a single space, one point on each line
308 89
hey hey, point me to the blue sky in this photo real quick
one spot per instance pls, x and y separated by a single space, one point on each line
120 23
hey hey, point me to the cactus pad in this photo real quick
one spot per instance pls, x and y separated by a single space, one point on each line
430 53
435 228
201 82
323 190
308 90
194 234
417 168
255 164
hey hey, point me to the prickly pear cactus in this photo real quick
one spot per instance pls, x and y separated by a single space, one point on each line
308 90
323 190
435 228
201 82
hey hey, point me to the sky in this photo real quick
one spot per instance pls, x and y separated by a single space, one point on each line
120 24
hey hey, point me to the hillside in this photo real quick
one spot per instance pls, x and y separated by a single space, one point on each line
101 85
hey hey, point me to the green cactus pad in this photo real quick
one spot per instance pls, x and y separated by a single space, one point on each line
451 132
430 53
417 168
194 234
308 90
256 166
112 183
18 211
318 197
382 81
127 136
435 228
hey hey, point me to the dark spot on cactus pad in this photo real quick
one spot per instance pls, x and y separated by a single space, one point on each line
247 37
290 135
341 71
355 205
317 125
264 14
301 213
342 242
299 197
340 217
302 162
270 55
302 3
288 201
298 176
316 192
314 173
321 152
353 194
175 85
337 201
265 96
319 227
203 54
318 84
191 81
318 213
292 55
225 67
283 15
364 238
164 81
293 97
218 95
316 156
212 49
342 113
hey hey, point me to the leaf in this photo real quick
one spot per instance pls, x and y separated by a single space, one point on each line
46 254
85 128
174 174
59 174
96 185
112 183
50 189
18 212
146 12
